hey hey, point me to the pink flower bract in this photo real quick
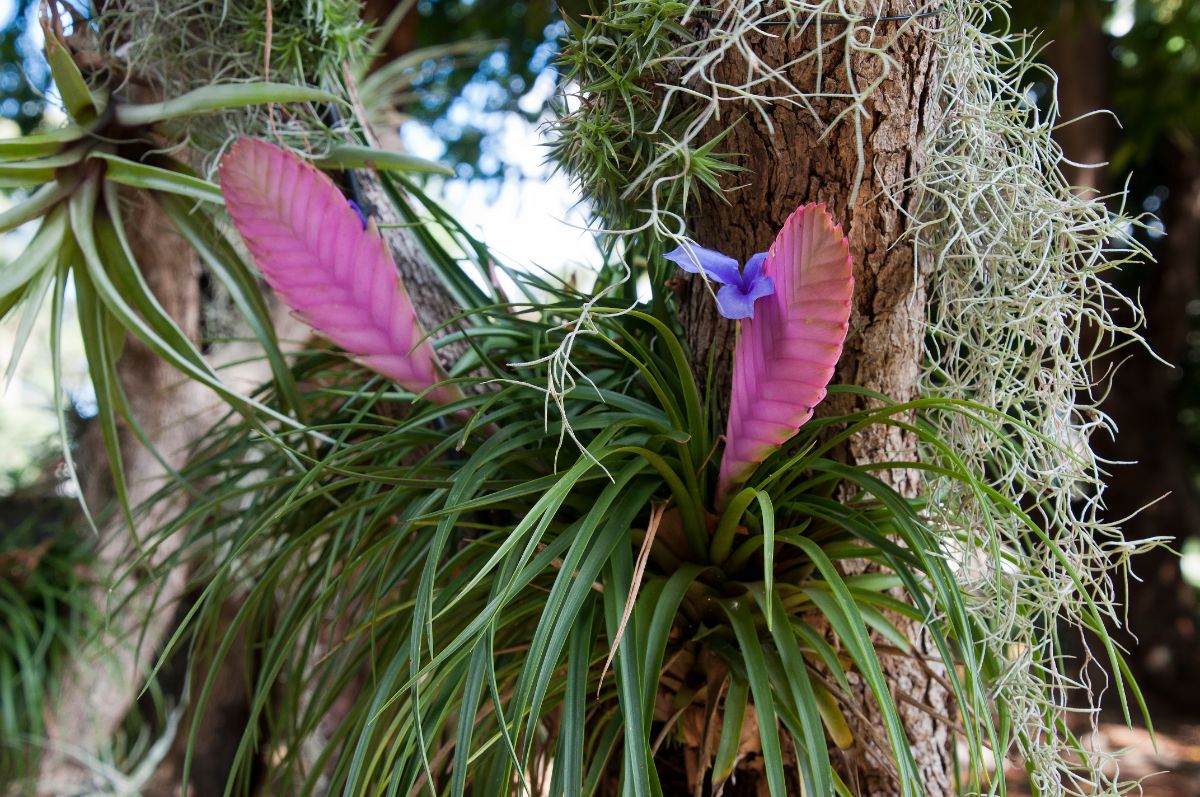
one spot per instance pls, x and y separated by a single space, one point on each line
336 273
786 353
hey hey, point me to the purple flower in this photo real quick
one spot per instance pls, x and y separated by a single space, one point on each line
739 289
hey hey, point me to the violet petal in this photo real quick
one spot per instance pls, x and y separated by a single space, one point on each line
733 303
718 267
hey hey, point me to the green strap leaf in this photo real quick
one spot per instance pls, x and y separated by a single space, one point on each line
46 243
803 697
666 609
568 769
733 716
37 205
468 708
80 104
142 175
605 527
30 173
39 145
839 607
67 254
219 98
641 778
102 368
357 156
32 297
760 686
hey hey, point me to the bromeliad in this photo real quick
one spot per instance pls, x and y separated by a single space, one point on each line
788 346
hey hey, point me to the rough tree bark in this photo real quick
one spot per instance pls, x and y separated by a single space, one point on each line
792 166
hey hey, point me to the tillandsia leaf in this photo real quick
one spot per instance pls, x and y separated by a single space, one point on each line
155 178
80 105
785 355
39 145
38 204
312 248
355 156
218 98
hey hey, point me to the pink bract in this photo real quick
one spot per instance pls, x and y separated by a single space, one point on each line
311 247
786 354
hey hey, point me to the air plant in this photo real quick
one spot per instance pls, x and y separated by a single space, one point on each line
488 587
79 178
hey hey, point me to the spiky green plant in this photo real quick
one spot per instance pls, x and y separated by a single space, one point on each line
78 180
480 610
1020 312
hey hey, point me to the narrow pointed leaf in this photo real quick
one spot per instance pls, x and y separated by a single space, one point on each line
356 156
37 205
311 247
733 714
218 98
142 175
44 247
103 370
786 354
762 691
40 170
34 296
80 104
39 145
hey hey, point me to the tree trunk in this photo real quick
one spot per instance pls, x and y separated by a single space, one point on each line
1079 53
794 165
99 688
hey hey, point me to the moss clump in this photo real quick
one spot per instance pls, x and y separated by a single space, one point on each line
167 47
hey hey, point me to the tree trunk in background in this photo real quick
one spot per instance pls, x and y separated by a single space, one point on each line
1079 54
98 690
788 168
1145 402
1146 396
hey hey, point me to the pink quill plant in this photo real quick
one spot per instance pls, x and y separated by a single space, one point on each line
788 346
317 251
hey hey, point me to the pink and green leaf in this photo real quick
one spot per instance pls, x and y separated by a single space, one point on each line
786 353
336 273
